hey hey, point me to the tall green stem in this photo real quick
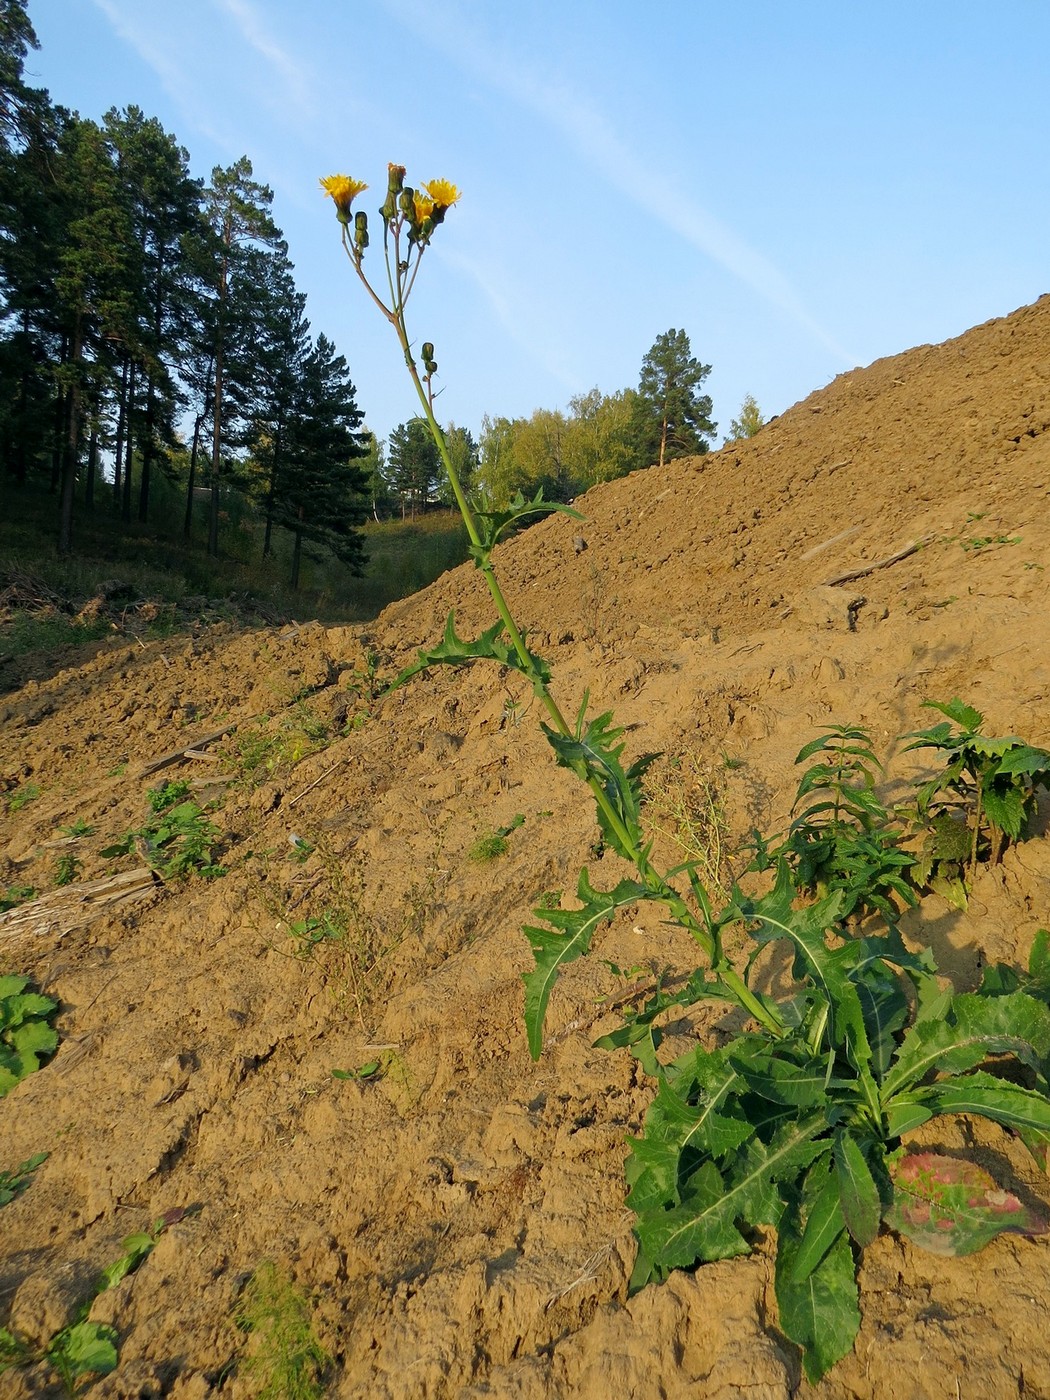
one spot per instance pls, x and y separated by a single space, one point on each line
401 282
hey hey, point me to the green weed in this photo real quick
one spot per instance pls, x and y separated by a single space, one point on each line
12 1184
495 844
287 1361
83 1349
21 797
26 1036
796 1123
15 895
67 868
178 840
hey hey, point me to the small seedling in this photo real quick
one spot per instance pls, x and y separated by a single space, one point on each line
15 895
78 828
26 1038
12 1184
986 786
310 933
177 840
67 868
21 797
83 1348
371 1070
491 847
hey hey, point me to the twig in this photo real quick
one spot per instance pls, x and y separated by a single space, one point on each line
185 751
849 576
326 774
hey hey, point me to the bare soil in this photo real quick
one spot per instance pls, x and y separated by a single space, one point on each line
458 1221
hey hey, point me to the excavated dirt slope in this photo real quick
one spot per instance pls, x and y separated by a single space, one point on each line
458 1221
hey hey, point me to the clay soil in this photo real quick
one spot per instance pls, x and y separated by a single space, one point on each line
458 1221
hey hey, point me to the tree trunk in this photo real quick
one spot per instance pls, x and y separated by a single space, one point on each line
130 436
122 421
216 451
69 455
92 467
148 446
297 554
271 491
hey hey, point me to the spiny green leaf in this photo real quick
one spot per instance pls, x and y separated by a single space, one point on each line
858 1193
820 1313
773 1073
704 1227
593 754
492 645
972 1028
965 716
568 937
1024 1110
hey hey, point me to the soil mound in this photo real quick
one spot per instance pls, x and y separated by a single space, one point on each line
457 1217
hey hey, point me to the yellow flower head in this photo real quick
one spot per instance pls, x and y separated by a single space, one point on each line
424 205
342 190
443 192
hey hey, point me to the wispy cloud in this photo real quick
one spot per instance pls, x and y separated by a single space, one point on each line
296 90
187 58
640 177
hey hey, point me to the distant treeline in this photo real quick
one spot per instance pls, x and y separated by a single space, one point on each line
136 300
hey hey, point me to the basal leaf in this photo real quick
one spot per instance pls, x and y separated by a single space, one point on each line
86 1348
770 1071
823 1217
1024 1110
568 937
950 1206
972 1028
858 1193
820 1313
705 1226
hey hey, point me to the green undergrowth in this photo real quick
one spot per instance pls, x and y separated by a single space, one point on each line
81 1350
285 1360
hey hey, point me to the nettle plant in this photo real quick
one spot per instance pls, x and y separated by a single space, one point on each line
796 1125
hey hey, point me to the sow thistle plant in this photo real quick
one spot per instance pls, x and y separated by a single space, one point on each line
797 1124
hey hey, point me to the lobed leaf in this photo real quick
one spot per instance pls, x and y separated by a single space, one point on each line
971 1028
819 1312
568 937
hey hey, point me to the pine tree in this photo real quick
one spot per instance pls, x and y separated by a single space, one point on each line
323 493
238 212
673 417
414 464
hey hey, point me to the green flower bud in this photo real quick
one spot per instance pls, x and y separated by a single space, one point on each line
395 184
360 231
429 363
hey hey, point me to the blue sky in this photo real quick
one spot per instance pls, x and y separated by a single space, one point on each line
802 185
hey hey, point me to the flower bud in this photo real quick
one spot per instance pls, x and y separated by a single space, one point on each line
395 183
429 363
360 231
